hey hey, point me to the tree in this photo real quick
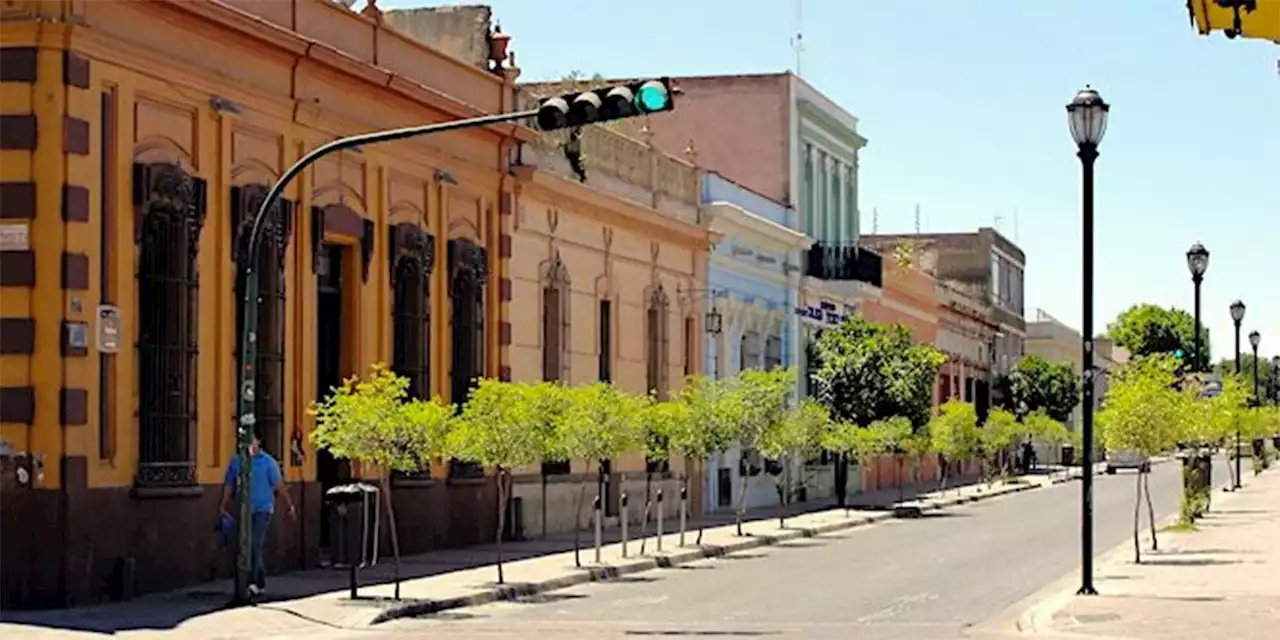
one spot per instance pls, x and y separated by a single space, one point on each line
660 417
1036 384
1144 413
867 372
597 422
863 444
1000 432
795 437
760 398
502 426
368 421
1146 329
1267 379
705 424
954 432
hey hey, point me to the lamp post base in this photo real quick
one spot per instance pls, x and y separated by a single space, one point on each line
1087 590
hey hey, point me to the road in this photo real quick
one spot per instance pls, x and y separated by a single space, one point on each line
965 572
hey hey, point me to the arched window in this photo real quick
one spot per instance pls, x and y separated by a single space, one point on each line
657 356
169 210
411 260
555 338
468 269
269 333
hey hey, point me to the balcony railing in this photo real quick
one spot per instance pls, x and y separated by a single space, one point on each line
845 262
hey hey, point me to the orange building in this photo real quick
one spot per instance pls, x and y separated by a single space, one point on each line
135 139
909 299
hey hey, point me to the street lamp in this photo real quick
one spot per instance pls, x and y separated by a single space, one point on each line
714 322
1254 339
1275 378
1197 262
1087 117
1237 316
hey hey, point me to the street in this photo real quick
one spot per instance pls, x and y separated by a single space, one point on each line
961 573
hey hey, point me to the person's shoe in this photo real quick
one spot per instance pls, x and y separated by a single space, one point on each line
255 590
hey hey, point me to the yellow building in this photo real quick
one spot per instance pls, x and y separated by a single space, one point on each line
135 139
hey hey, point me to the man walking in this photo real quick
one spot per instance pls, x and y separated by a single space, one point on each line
266 483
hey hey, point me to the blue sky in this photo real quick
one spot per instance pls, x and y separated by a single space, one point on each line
963 103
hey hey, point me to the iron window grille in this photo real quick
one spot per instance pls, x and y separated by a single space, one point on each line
555 338
410 263
657 355
169 212
468 270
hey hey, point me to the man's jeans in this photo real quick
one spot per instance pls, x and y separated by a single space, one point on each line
257 571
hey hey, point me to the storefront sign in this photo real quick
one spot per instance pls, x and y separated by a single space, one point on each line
826 313
108 328
15 237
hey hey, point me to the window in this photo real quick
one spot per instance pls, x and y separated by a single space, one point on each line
995 279
773 353
270 329
749 351
604 332
656 355
106 279
690 336
468 269
555 329
411 252
169 210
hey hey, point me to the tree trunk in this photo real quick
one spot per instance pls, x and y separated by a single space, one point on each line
577 524
501 476
1151 511
1137 525
385 481
741 510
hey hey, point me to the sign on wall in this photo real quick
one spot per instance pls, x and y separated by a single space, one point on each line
108 328
825 313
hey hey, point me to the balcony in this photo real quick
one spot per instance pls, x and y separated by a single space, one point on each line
841 262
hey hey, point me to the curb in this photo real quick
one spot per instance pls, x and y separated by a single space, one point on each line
668 560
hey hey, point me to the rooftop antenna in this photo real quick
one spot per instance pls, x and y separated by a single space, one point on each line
917 219
998 221
875 220
1015 225
797 41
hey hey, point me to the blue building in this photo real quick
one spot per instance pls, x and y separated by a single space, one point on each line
753 281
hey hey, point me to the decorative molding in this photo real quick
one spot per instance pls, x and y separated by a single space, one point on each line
409 243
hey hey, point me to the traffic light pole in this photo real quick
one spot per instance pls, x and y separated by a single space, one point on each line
246 340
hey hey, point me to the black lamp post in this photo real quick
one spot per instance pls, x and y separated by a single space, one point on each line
1255 339
1237 316
1275 378
1197 262
1087 116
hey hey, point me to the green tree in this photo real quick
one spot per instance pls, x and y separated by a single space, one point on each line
705 424
369 422
1147 329
896 435
847 439
503 426
998 434
597 422
761 399
955 432
1036 384
1267 379
867 372
797 436
1146 414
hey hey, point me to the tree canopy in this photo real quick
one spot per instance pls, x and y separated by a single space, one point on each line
1144 412
1147 329
1036 384
868 372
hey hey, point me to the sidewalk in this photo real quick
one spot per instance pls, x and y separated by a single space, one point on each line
1222 580
454 578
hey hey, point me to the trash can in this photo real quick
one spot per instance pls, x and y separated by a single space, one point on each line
353 524
1068 455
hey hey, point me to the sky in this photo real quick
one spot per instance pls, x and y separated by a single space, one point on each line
963 104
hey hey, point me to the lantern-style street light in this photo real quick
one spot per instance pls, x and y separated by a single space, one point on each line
1237 317
1087 116
1197 263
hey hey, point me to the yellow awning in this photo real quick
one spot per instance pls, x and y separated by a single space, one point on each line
1262 23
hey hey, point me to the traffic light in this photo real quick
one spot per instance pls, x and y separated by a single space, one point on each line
606 103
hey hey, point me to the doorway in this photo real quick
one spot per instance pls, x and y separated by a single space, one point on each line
329 347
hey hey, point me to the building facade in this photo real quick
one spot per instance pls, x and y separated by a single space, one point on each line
167 121
753 283
802 152
606 273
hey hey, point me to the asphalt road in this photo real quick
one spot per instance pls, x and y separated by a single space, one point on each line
965 572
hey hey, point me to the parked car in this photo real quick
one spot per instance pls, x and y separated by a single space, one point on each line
1128 460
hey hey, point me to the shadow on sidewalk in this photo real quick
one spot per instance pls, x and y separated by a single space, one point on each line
169 610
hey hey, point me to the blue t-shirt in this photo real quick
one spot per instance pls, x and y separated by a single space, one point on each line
265 474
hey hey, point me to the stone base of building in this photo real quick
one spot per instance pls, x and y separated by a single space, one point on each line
63 548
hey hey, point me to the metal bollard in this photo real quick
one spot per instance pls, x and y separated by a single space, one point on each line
599 524
684 510
622 507
660 520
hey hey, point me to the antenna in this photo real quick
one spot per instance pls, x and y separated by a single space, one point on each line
998 221
875 220
1015 225
797 41
917 219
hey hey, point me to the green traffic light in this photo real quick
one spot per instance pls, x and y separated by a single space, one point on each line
652 97
1178 354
